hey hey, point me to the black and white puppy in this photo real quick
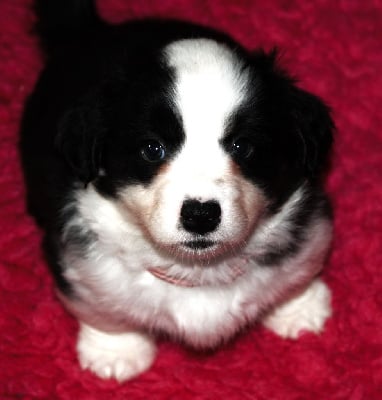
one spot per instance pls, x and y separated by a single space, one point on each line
177 179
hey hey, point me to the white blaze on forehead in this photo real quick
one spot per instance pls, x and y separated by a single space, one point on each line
210 83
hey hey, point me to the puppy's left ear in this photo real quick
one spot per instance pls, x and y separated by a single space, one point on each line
314 127
80 136
310 118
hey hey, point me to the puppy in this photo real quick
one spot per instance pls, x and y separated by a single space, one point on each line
177 180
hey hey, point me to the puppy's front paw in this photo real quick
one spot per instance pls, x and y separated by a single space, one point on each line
119 356
305 313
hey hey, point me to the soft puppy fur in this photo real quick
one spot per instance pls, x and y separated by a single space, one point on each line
177 179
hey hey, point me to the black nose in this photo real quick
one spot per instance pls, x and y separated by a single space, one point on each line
198 217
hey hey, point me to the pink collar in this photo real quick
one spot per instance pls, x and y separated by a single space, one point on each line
162 274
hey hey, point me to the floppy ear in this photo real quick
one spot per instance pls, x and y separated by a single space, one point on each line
80 136
314 127
310 117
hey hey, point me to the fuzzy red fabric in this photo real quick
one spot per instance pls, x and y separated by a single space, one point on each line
334 48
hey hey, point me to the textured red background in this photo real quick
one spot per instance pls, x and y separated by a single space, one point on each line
335 48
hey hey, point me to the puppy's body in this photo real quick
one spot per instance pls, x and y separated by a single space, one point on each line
177 179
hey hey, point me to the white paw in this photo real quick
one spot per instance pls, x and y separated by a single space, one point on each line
305 313
119 356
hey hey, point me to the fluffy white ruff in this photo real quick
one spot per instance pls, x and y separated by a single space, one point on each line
116 292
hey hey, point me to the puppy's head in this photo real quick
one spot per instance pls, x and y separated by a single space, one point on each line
196 143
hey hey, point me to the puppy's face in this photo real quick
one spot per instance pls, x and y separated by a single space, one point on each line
197 203
197 144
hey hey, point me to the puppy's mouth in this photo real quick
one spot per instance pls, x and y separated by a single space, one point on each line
200 251
200 244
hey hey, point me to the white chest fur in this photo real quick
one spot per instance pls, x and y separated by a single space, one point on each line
115 290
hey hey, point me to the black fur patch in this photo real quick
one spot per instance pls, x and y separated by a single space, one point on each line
313 206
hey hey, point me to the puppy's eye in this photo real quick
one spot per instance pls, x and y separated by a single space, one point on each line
241 148
153 151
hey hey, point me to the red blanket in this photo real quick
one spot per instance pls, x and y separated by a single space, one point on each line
335 49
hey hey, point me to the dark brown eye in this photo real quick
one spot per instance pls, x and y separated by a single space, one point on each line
241 149
153 151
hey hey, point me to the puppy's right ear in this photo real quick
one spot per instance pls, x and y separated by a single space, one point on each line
80 137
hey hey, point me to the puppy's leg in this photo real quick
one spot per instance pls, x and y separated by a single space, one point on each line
114 355
307 312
